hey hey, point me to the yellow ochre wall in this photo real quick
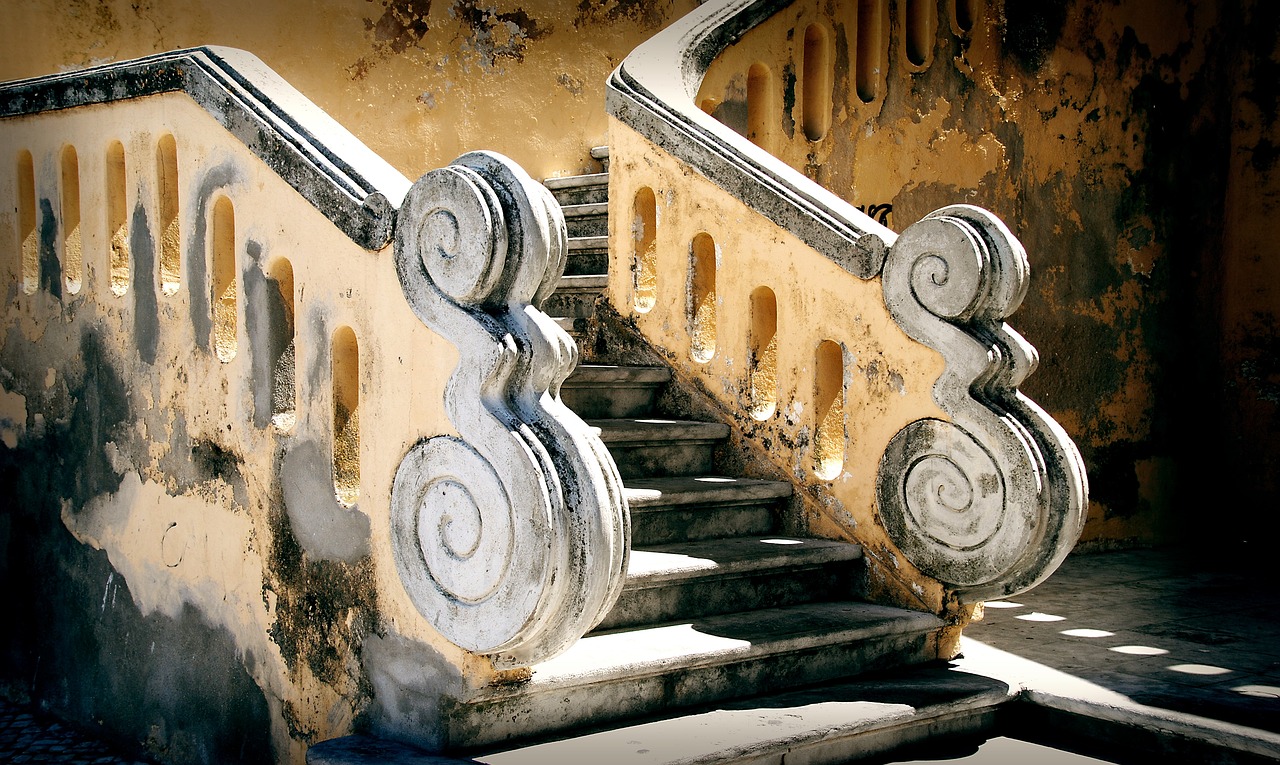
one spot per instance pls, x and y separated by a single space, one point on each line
419 82
1131 146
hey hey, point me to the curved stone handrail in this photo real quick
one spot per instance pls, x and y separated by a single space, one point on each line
949 280
325 163
652 91
513 539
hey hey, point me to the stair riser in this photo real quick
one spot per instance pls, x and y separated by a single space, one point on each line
678 601
657 527
489 724
587 225
590 262
600 402
575 304
583 195
658 460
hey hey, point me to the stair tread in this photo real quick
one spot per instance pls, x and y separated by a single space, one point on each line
834 720
579 243
582 282
577 181
737 555
585 210
657 430
716 640
694 490
607 374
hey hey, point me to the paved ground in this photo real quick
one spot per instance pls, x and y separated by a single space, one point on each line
1156 628
29 736
1164 629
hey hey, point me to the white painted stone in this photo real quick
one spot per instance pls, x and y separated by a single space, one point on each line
992 501
512 540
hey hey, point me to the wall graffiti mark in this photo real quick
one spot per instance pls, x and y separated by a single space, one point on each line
879 213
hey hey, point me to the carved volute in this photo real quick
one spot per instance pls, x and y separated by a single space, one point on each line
511 539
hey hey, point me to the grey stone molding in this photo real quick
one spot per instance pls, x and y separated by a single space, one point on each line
325 163
513 538
990 503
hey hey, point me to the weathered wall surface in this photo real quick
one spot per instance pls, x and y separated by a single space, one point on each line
419 81
191 539
1130 146
708 277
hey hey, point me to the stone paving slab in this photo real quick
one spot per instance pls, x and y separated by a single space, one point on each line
1153 628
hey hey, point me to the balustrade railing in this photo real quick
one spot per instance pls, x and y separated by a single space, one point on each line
243 259
926 451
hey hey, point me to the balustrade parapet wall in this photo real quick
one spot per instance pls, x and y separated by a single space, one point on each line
985 495
354 188
232 337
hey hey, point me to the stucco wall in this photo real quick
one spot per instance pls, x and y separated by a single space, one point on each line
419 82
181 564
1130 146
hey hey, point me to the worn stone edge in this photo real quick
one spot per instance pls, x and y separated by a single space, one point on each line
652 91
1164 722
353 187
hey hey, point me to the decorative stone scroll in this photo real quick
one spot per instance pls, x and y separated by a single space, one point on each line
512 539
993 500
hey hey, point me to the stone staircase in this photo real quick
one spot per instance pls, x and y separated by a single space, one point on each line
717 605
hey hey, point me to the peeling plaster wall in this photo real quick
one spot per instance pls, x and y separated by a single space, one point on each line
418 81
183 570
1131 147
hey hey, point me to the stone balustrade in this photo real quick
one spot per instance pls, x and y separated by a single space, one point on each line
874 370
269 378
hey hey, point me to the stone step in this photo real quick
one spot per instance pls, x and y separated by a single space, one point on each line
654 447
859 720
617 675
856 720
576 295
587 262
579 189
691 508
690 580
587 220
611 392
586 244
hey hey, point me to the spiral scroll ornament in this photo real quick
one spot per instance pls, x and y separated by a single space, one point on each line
512 539
990 502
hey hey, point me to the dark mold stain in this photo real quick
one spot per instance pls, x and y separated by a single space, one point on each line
401 26
647 13
789 100
218 177
1032 31
491 36
324 608
214 462
146 315
50 267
